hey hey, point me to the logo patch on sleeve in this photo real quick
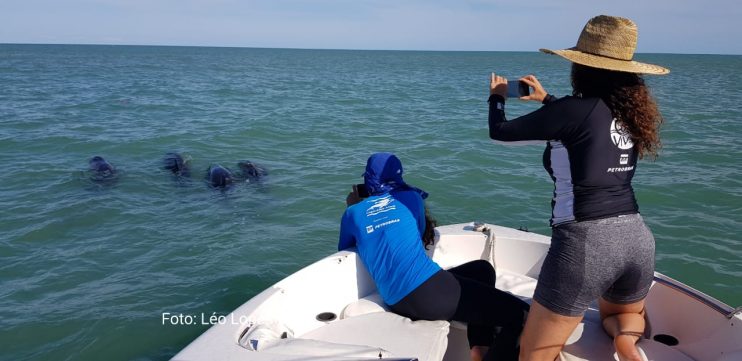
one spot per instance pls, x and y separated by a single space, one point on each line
620 135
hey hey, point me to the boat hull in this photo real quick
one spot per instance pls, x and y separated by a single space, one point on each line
705 329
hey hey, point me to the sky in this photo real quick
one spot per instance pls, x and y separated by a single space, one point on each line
665 26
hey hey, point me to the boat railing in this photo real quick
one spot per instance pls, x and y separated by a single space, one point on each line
734 312
707 300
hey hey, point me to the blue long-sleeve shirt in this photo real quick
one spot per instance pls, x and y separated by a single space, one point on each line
387 229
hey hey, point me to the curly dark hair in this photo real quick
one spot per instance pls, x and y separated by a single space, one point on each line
429 234
629 100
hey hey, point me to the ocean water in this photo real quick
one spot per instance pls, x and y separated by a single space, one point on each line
88 269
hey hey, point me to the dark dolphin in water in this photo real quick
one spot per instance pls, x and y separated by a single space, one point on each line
101 170
219 177
177 164
249 171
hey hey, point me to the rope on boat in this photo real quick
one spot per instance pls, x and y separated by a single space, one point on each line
734 312
490 243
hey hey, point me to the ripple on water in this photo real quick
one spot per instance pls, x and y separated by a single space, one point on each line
88 269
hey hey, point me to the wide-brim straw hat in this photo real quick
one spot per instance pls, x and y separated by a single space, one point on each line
608 42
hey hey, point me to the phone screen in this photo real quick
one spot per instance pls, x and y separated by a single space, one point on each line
517 89
360 190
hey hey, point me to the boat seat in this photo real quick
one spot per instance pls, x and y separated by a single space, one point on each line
519 285
369 304
318 349
374 303
385 332
590 343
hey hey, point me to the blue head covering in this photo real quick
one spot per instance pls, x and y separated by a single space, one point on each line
384 174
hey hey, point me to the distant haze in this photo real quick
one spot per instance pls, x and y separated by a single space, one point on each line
665 26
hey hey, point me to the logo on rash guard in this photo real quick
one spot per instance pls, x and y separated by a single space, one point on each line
620 135
381 205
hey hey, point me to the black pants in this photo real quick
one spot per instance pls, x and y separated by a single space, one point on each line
467 293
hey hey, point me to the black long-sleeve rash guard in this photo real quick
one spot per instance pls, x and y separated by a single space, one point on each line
589 155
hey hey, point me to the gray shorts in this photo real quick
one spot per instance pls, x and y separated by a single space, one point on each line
610 257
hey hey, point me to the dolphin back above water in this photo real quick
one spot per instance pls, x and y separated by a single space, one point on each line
101 170
219 177
177 164
250 171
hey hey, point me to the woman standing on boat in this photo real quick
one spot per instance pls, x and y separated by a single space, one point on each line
600 246
386 227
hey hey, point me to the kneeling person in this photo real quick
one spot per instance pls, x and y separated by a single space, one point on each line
387 228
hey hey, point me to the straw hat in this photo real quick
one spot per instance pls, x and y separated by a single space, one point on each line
608 42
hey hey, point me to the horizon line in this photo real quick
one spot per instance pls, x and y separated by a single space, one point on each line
332 49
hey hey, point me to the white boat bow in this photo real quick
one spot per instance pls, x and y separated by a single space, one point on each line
330 310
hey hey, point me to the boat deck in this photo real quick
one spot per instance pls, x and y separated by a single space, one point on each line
330 310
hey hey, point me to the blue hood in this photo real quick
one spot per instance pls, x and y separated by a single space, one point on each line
384 174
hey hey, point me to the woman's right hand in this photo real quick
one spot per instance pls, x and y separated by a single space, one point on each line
538 94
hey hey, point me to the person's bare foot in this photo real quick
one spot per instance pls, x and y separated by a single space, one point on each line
477 352
626 347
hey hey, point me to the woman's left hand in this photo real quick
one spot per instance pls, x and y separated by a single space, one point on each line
498 85
352 199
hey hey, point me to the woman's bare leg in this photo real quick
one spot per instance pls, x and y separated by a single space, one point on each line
545 333
477 352
625 323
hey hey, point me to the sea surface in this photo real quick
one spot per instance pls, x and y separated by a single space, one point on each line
87 269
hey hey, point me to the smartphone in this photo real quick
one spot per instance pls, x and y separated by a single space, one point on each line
360 190
517 89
